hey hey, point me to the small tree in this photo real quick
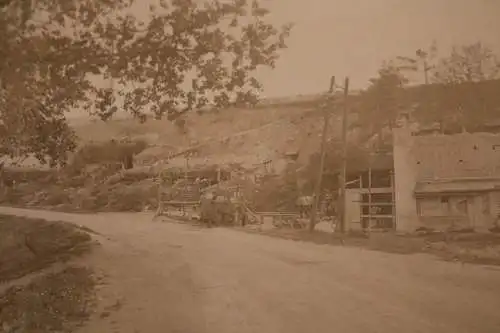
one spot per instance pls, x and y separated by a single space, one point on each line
422 62
467 64
356 155
277 192
382 101
460 91
466 93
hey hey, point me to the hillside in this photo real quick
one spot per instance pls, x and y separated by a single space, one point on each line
277 127
244 136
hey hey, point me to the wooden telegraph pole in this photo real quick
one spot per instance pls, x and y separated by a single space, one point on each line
186 157
317 187
343 176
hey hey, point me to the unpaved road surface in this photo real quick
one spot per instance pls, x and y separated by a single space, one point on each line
168 277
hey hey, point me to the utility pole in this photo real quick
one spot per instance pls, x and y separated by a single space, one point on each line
186 157
317 187
426 72
111 80
343 177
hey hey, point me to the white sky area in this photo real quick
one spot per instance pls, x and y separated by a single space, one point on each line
353 37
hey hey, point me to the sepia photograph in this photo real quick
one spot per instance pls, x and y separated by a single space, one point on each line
249 166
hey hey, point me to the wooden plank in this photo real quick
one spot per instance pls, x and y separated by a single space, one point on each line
181 203
393 199
370 214
377 216
364 204
376 190
270 214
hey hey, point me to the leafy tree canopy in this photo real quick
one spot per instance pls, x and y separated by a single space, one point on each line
188 54
382 100
461 90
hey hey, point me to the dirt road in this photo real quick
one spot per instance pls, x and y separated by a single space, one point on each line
168 277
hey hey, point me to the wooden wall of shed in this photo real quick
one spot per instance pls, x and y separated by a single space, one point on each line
476 211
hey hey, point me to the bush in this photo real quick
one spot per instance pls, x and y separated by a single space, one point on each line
277 192
57 197
134 176
107 152
23 175
130 191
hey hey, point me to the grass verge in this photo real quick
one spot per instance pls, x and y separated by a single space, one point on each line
28 245
57 302
473 248
48 300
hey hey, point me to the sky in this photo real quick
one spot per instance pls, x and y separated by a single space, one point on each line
353 37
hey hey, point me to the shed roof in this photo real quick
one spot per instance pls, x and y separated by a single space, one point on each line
456 186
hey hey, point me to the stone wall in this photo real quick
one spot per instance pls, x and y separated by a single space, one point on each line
464 155
469 161
405 178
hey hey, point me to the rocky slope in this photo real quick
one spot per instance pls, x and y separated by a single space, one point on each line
244 136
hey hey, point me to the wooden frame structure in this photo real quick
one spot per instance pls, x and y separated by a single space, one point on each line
378 200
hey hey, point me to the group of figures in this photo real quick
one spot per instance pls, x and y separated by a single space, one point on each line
221 209
305 206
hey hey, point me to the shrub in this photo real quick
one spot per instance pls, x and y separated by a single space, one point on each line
107 152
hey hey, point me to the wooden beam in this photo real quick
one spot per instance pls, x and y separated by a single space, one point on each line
376 204
377 216
375 190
